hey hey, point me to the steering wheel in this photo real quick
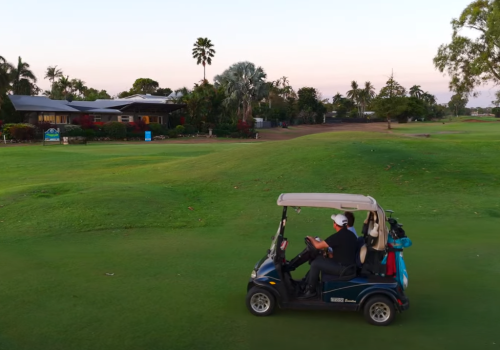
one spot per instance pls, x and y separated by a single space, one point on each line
310 246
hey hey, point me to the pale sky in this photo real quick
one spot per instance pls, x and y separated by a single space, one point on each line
319 43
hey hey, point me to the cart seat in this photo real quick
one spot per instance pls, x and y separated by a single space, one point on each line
348 274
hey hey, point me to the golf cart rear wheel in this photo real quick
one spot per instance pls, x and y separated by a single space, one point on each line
379 311
260 302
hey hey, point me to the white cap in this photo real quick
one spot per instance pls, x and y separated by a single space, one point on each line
339 219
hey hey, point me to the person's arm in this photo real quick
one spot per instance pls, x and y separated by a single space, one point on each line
318 245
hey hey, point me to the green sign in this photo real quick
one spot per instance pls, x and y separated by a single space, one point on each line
52 135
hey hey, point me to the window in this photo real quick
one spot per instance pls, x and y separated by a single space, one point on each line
61 119
155 120
53 119
97 118
125 119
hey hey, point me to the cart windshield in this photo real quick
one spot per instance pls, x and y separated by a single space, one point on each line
272 250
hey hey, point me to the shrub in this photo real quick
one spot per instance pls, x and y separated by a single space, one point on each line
221 133
189 129
44 126
180 129
172 134
115 130
71 127
6 130
135 135
156 129
140 125
75 132
235 135
85 122
89 134
244 128
353 113
228 127
22 132
496 112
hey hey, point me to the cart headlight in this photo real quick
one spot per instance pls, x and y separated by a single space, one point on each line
253 274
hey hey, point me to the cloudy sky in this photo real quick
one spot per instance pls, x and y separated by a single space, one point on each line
320 43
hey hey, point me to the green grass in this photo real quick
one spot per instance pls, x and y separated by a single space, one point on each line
71 214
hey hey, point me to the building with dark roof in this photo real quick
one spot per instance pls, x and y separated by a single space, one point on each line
134 108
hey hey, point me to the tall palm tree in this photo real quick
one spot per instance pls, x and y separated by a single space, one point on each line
354 94
272 89
65 85
416 91
429 98
5 69
203 52
52 74
78 86
337 98
365 96
23 79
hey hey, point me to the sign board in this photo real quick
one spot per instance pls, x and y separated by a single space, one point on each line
52 135
148 135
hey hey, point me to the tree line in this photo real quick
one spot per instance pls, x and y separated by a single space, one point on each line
243 92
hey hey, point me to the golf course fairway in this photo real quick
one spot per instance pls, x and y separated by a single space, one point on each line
150 246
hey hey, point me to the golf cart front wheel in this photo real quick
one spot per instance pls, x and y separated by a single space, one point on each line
260 302
379 311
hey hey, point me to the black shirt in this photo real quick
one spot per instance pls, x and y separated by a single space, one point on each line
344 244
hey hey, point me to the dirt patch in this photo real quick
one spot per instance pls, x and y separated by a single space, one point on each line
479 121
292 132
418 135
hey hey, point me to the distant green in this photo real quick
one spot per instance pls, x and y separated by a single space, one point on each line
70 215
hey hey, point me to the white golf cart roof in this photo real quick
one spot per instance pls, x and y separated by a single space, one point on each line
340 201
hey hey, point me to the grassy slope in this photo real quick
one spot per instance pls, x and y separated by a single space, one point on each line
69 215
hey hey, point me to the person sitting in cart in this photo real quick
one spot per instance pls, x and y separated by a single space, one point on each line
343 246
350 222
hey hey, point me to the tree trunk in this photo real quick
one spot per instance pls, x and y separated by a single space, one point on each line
388 123
204 72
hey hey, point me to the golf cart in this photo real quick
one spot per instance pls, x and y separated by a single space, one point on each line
361 287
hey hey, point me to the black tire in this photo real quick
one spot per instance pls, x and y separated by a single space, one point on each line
379 311
260 302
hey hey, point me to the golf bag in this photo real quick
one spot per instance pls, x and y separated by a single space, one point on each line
394 262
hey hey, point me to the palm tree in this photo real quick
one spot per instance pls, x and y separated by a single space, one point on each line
285 90
365 96
181 94
52 74
203 52
354 94
23 79
78 86
429 98
244 83
416 91
272 89
64 84
337 98
5 69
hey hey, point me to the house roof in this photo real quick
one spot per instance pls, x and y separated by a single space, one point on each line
144 97
45 104
39 104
